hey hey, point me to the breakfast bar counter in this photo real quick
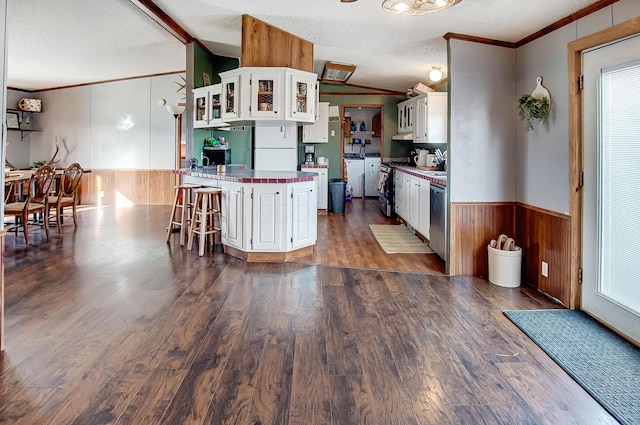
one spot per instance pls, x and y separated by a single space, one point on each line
266 215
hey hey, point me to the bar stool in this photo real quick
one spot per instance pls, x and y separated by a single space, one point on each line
182 201
206 207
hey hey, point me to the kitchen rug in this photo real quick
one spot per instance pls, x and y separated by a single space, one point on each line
605 365
397 239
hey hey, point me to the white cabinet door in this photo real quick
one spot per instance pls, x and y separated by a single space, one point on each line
322 186
431 118
266 95
267 217
406 196
420 124
424 210
414 204
214 99
303 215
200 107
398 183
233 215
230 97
301 87
318 132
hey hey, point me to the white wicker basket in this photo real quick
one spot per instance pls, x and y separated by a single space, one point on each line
32 105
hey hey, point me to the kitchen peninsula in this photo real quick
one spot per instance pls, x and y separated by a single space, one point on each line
266 215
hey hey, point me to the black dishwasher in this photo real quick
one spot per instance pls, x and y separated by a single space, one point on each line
438 216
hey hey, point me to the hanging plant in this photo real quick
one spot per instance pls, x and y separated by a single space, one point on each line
534 106
531 108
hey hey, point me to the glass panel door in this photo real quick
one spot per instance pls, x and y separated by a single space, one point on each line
611 193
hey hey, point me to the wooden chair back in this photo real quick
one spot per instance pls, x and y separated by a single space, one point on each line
40 186
70 180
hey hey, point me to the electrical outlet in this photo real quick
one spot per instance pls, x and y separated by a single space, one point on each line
102 193
545 269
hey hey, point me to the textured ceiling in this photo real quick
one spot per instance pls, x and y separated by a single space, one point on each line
66 42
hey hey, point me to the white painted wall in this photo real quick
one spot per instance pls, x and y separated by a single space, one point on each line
482 120
542 155
117 125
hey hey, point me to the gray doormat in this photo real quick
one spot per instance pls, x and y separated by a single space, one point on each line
605 365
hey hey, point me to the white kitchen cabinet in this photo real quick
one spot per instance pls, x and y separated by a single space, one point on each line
430 125
318 132
322 186
371 168
266 217
406 111
233 215
207 107
412 201
268 95
303 216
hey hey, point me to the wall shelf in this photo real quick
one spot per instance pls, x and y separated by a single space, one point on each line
23 127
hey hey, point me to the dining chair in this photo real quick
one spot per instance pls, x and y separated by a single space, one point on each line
35 202
66 195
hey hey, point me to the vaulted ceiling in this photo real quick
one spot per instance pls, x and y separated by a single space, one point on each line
68 42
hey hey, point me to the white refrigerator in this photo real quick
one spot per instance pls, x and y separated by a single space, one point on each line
275 148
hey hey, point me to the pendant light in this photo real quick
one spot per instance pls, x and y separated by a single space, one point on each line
416 7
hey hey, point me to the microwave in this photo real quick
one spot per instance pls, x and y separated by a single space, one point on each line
216 156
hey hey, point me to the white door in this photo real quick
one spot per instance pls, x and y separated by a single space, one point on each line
611 193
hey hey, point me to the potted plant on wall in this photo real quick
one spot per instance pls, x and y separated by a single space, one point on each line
535 106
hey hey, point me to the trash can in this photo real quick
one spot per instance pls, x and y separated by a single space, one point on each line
336 195
505 267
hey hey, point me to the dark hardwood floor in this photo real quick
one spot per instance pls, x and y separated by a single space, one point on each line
110 325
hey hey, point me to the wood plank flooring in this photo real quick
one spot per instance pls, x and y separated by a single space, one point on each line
110 325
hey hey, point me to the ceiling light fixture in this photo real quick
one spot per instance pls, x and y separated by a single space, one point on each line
416 7
338 72
435 74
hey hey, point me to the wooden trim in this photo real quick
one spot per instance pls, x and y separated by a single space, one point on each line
543 210
107 81
149 8
268 257
452 35
575 49
566 21
544 31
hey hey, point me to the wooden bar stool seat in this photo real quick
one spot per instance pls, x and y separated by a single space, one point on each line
182 201
203 218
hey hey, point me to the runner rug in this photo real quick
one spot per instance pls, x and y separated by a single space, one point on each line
604 364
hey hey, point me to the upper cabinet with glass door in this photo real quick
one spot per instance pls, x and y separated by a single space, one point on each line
270 95
207 107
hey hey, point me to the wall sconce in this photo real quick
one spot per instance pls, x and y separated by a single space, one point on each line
435 74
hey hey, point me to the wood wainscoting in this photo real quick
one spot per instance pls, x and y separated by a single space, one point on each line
473 226
543 235
127 187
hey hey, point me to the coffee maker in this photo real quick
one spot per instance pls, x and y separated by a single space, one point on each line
309 155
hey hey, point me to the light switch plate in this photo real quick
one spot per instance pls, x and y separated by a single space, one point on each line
333 133
545 269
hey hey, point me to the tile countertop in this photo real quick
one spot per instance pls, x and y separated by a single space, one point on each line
245 175
433 176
